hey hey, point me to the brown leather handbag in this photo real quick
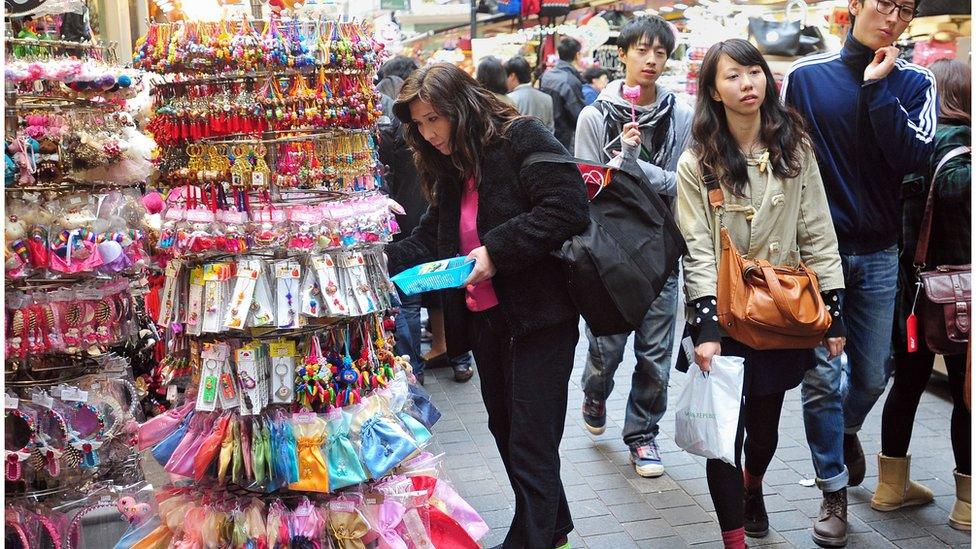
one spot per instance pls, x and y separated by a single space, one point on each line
762 305
946 300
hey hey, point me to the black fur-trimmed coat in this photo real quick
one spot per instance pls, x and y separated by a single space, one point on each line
523 216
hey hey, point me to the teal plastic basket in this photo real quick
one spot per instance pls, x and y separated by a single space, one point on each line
453 275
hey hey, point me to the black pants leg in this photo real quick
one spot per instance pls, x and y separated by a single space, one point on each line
759 426
912 373
524 383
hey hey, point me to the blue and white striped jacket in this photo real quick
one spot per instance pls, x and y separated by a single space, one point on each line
868 136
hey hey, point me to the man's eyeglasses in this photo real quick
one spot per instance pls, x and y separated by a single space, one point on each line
905 13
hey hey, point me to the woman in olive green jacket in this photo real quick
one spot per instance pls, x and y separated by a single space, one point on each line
775 208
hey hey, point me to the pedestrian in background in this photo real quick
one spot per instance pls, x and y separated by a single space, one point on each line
565 84
528 100
654 143
594 80
948 244
491 75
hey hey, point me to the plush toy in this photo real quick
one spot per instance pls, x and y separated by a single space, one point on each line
24 151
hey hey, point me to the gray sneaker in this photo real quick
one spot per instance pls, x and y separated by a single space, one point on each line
647 460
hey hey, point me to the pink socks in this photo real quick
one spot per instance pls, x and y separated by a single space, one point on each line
734 539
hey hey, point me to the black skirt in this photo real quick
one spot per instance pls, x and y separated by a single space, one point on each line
766 372
773 371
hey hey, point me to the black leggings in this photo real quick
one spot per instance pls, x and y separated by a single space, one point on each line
912 372
759 419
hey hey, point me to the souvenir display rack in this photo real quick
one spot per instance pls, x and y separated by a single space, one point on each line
75 258
290 409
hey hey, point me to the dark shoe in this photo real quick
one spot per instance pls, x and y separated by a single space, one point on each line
420 378
647 460
439 361
830 528
595 415
754 513
463 372
854 460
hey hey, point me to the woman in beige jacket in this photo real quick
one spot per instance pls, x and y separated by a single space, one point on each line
775 209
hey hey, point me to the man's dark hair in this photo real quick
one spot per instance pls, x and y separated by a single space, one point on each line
568 48
491 74
401 66
592 73
646 29
520 68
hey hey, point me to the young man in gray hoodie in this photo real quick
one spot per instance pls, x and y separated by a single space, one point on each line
661 133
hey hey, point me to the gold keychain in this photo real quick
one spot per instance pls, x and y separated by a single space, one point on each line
240 172
262 173
196 164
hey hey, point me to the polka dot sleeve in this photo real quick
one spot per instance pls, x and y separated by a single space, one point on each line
833 300
705 319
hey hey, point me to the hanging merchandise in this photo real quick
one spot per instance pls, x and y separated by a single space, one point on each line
75 261
289 406
412 509
554 8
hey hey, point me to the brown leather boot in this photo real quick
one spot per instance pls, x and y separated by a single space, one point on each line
830 528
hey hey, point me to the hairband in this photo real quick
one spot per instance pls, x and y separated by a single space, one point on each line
72 531
19 530
88 445
52 530
14 457
49 454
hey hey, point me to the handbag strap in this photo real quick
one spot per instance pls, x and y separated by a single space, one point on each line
780 299
922 249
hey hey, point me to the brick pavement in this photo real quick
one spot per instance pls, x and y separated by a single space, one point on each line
613 507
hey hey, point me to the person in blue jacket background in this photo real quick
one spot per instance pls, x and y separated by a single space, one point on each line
872 118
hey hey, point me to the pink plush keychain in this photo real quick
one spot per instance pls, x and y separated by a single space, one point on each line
632 94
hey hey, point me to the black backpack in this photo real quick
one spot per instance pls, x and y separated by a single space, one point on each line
617 267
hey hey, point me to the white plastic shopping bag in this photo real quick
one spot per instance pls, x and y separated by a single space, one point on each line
708 410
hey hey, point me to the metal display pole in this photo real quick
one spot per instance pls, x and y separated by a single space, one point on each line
474 19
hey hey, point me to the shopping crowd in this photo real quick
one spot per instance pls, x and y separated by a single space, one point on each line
855 168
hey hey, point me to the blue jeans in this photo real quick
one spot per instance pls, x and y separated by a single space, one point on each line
653 342
838 394
408 330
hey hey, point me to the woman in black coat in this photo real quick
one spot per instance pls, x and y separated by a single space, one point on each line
515 312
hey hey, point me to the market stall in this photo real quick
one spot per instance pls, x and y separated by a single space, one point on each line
250 247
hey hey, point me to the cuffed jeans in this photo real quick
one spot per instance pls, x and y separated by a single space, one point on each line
653 343
408 330
838 394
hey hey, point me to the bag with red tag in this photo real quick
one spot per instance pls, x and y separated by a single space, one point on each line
943 295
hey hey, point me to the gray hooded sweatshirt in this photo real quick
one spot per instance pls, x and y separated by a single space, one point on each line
591 136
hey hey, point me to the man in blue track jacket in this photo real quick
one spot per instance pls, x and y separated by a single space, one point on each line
872 118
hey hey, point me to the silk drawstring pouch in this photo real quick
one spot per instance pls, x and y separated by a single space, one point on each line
384 443
345 468
310 434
